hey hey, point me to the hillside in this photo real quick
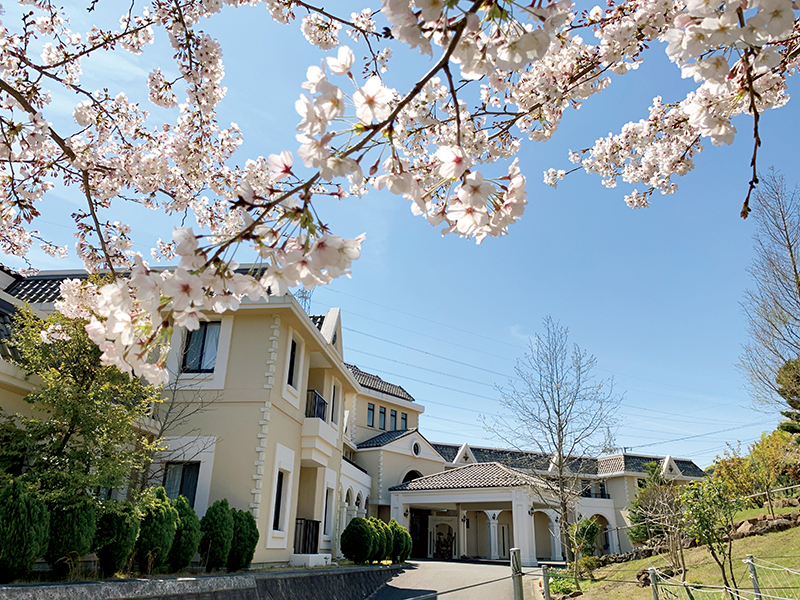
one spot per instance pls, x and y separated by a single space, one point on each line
782 548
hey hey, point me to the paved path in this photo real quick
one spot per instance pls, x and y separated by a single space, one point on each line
428 576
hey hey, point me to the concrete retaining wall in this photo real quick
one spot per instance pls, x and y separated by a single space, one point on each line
354 583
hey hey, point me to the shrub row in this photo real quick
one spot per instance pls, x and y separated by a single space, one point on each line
153 532
373 540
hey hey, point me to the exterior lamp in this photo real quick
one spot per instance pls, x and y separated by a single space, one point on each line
405 514
530 511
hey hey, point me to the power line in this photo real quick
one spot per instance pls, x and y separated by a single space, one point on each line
689 437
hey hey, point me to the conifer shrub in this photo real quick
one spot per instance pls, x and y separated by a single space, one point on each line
409 543
115 538
187 536
357 540
157 530
217 529
398 541
73 523
24 530
379 549
389 535
245 539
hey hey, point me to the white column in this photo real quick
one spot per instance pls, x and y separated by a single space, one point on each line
491 530
462 533
524 528
555 535
351 514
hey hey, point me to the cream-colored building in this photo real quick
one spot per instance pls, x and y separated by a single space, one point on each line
305 441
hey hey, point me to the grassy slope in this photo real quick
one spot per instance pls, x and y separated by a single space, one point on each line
754 512
701 567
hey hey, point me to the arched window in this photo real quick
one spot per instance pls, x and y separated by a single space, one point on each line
411 476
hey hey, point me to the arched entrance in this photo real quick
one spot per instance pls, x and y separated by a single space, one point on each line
602 542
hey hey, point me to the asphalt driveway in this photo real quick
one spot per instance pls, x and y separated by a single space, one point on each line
427 576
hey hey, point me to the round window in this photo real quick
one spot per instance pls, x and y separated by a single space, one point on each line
415 449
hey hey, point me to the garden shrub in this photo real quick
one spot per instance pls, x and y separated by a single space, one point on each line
187 536
379 547
157 530
72 529
398 540
24 530
409 543
115 538
587 565
217 528
245 539
561 582
388 535
357 540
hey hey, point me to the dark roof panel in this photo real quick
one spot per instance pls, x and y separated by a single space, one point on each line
317 320
385 438
40 288
373 382
448 451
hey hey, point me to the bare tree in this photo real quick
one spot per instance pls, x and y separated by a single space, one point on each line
557 409
772 307
183 401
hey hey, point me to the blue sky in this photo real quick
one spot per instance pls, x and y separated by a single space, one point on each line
654 294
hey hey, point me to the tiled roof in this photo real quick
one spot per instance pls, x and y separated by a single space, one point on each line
516 458
40 288
637 463
373 382
317 320
385 438
476 475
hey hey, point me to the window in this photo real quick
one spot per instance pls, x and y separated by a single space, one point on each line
415 449
393 420
276 515
370 415
334 417
290 379
200 353
180 479
328 522
403 421
382 418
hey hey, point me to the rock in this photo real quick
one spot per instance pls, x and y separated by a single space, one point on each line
745 529
780 525
575 594
643 578
689 542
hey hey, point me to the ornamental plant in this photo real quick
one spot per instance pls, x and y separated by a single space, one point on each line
409 544
357 540
217 534
73 523
381 542
245 539
401 542
157 530
187 536
24 529
501 74
116 535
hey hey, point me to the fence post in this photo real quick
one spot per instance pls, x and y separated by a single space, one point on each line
546 582
753 576
516 574
653 582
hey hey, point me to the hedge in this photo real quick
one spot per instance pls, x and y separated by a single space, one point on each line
72 530
380 541
24 530
157 530
115 538
217 528
357 540
245 539
187 536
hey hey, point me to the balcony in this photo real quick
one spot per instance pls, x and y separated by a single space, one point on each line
316 406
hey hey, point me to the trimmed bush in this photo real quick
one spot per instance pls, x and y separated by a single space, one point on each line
24 530
217 528
357 540
187 536
245 539
389 535
409 543
72 528
157 530
587 565
117 530
379 547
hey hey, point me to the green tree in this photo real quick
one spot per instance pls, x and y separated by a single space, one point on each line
82 433
116 535
187 536
379 548
708 515
769 456
156 531
357 540
788 380
24 528
72 529
217 528
582 535
245 538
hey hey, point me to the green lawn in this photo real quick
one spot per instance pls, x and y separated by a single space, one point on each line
754 512
782 548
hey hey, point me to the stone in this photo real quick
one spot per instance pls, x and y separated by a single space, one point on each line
745 529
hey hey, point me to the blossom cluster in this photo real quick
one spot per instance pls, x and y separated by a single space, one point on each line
500 73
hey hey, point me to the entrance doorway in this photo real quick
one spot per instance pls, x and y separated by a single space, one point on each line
419 532
503 540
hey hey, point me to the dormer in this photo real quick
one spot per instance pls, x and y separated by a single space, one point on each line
669 470
464 456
